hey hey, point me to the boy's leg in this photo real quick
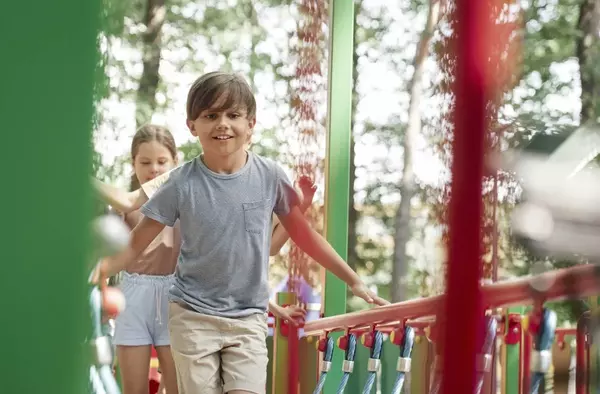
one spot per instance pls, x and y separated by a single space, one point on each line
244 356
196 342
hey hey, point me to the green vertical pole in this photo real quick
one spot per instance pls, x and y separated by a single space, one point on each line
511 359
338 159
359 376
280 348
46 105
270 365
389 361
309 365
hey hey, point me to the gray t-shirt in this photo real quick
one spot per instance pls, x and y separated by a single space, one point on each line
225 222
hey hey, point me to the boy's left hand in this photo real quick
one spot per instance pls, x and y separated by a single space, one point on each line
307 189
362 291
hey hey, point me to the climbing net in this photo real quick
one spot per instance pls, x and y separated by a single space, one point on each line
308 98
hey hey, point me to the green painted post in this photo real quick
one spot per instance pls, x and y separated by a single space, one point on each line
46 106
338 160
280 349
270 365
511 357
309 365
389 361
359 375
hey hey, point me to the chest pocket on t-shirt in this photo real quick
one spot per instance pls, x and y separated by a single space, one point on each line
255 215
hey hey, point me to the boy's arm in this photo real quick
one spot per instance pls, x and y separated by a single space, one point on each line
279 235
314 245
317 247
141 236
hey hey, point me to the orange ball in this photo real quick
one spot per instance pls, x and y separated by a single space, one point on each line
113 301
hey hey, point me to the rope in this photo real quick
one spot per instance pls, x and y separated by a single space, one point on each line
374 362
543 345
348 364
327 356
405 353
484 363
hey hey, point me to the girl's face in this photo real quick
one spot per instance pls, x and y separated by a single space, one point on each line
152 159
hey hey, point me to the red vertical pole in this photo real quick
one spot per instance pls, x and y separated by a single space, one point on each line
463 301
581 356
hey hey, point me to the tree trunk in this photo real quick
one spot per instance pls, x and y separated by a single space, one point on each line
402 225
152 41
352 213
588 54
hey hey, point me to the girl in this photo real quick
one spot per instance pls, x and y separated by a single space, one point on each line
145 282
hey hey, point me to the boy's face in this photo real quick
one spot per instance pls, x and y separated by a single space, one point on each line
223 131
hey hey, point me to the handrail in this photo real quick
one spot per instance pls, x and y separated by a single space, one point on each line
496 295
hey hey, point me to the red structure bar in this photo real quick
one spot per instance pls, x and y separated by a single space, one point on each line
463 302
497 295
581 355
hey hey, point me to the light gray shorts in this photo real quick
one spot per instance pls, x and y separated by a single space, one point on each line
145 318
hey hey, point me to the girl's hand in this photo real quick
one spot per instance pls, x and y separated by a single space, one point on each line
291 314
362 291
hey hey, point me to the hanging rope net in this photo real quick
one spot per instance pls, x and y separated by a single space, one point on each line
307 112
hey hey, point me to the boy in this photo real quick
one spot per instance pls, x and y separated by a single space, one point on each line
224 200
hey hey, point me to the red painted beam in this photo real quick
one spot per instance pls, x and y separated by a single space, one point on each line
463 304
496 295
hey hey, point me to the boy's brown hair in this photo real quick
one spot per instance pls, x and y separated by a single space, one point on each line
231 90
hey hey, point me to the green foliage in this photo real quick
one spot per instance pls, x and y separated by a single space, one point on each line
190 150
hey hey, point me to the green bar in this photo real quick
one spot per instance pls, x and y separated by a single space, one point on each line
280 349
309 365
359 375
338 160
270 365
46 106
512 360
389 361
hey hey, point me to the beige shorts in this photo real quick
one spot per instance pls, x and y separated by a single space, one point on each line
215 355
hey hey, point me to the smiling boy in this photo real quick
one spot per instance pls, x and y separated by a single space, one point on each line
224 200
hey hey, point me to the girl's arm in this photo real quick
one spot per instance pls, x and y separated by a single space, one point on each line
119 199
129 201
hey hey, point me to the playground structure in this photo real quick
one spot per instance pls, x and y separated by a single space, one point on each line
44 352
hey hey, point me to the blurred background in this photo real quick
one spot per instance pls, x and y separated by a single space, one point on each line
545 64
